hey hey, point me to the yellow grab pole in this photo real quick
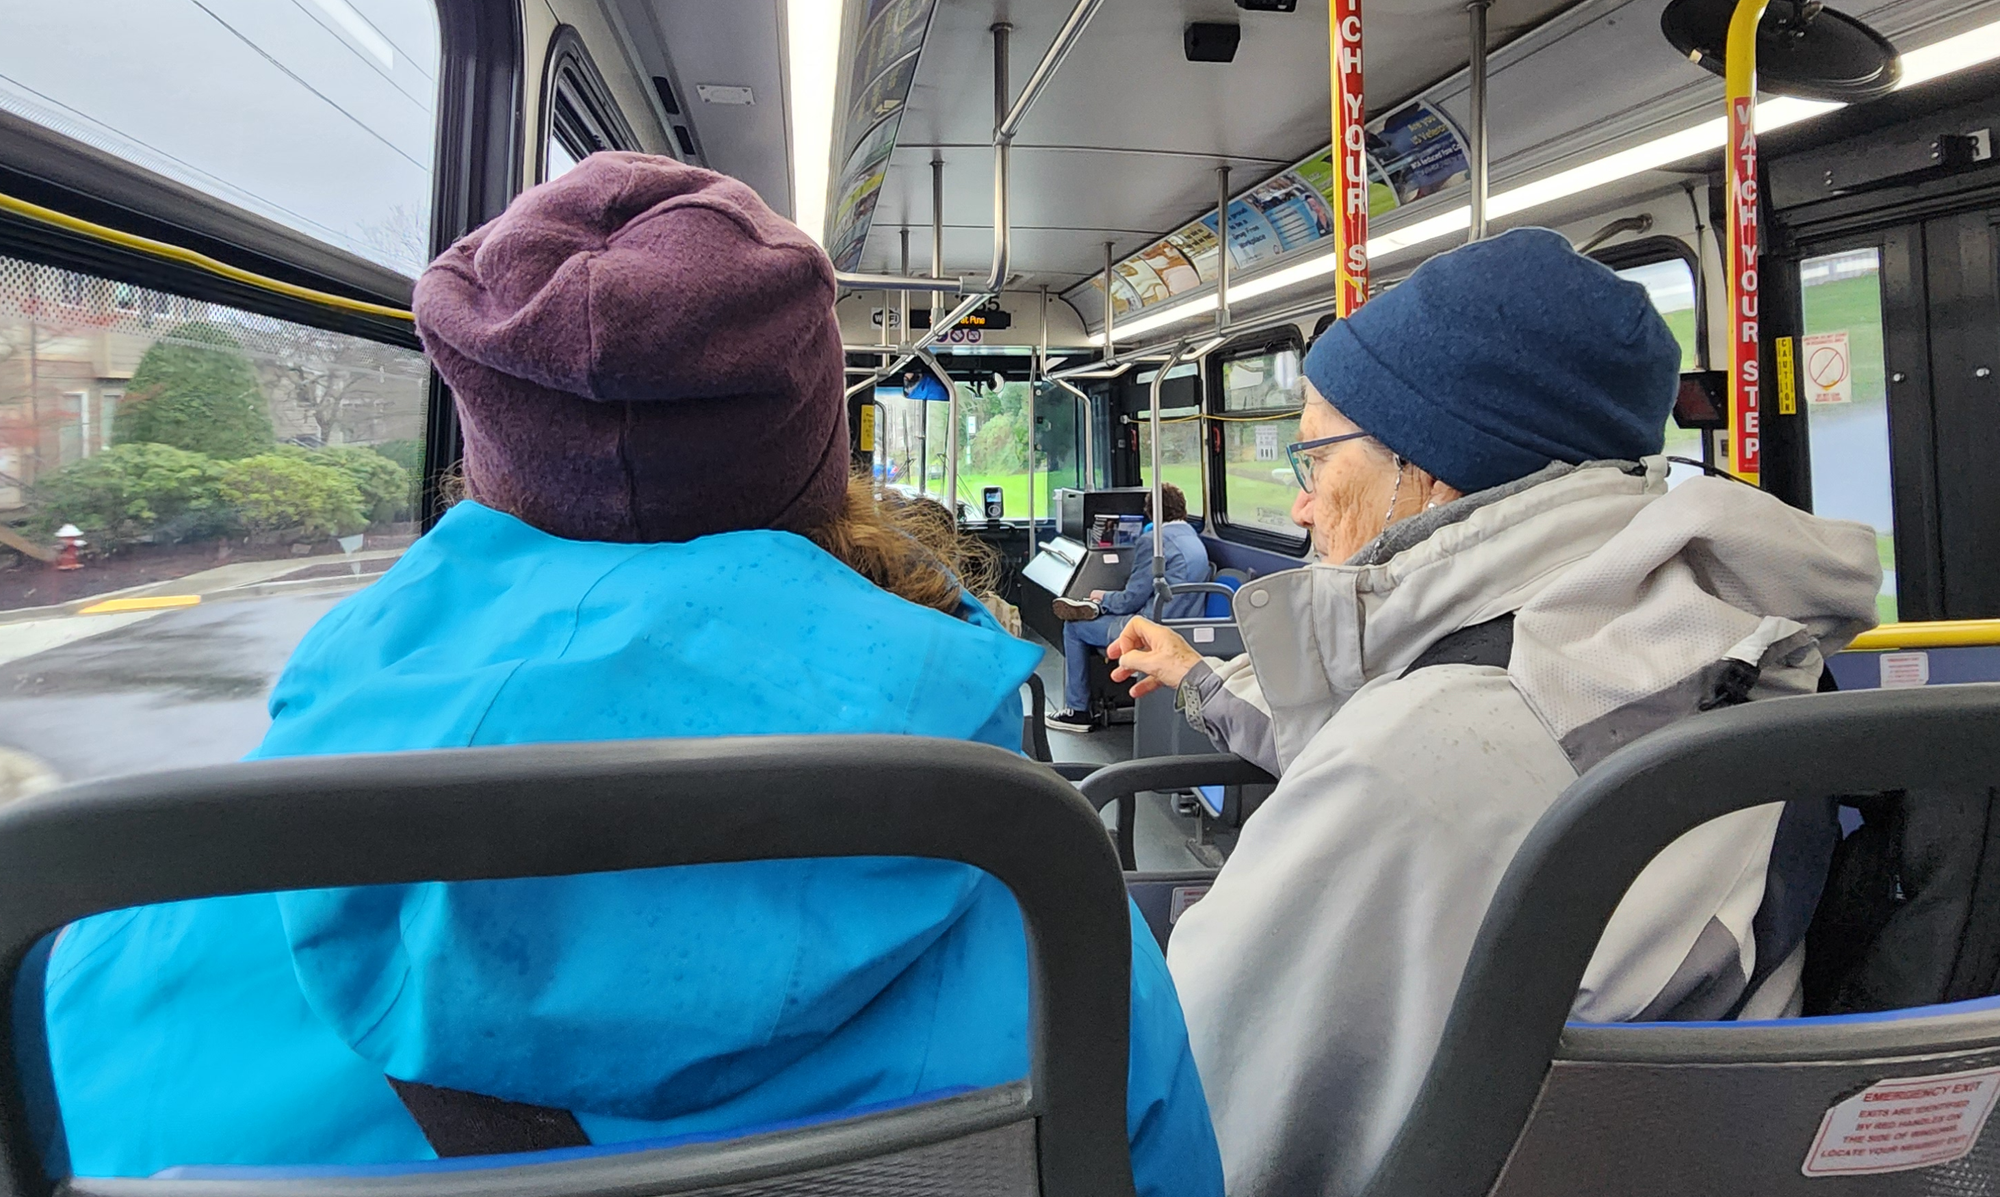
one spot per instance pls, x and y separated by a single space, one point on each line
1350 156
1740 85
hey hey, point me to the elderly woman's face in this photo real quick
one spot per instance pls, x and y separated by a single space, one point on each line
1355 492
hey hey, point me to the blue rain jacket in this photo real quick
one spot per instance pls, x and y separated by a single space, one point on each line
257 1030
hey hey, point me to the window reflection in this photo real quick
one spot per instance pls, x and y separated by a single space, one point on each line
316 114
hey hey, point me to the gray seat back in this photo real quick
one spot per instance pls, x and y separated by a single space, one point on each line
1514 1104
560 809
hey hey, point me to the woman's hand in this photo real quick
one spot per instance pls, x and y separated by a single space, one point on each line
1145 647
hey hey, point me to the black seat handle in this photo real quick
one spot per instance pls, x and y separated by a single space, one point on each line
1583 854
561 809
1121 783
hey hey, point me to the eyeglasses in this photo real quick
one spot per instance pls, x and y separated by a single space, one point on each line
1303 461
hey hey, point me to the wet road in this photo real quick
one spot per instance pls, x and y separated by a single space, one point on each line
179 688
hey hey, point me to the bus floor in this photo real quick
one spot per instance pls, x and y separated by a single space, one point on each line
1160 841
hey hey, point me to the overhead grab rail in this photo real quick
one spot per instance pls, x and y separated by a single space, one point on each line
1939 633
170 252
896 282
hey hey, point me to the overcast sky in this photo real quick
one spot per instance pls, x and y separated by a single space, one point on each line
314 113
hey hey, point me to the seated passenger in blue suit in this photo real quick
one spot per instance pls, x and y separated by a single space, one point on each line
661 539
1096 622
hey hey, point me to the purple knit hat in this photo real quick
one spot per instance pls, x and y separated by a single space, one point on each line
642 351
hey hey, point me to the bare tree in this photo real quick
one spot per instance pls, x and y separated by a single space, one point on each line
402 238
337 381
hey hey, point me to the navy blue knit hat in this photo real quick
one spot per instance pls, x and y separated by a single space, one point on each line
1495 359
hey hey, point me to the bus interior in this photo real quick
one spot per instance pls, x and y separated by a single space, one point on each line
1110 229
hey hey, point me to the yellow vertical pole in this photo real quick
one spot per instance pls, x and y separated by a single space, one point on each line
1350 155
1740 86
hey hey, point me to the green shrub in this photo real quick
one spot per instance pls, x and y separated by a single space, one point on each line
384 485
130 493
281 493
406 453
195 390
1001 447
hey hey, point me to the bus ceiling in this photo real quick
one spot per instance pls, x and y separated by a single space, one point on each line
1588 107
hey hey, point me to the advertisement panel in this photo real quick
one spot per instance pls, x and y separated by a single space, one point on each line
1411 153
1417 152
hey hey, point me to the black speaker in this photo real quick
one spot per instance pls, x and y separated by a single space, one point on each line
1211 41
1268 5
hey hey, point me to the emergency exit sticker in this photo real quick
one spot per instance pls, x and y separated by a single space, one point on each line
1906 1122
1829 368
1900 671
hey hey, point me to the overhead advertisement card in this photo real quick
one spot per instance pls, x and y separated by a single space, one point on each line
855 193
1251 238
1318 171
1195 243
1412 152
1167 261
1418 152
1297 213
890 39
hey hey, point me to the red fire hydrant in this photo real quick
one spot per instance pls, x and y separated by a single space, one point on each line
72 539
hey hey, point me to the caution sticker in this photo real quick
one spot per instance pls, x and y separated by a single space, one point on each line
1904 1122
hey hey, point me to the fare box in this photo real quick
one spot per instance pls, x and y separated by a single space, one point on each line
1904 1122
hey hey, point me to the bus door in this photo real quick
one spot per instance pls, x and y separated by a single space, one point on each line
1899 343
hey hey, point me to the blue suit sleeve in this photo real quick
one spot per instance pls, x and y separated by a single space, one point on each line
1138 585
1166 1114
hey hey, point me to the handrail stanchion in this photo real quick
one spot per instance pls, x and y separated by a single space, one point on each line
1162 589
1110 345
1221 248
1476 70
1034 385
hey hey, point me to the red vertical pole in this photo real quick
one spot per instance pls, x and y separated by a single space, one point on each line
1350 156
1740 79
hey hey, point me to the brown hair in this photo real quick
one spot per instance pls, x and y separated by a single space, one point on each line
911 548
1172 499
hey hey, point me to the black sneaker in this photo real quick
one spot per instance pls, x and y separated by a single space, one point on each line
1070 721
1076 610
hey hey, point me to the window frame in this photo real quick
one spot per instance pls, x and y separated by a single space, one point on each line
577 107
1140 418
1649 251
1217 521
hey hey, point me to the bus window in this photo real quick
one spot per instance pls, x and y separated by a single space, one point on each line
316 114
582 118
1670 283
1847 409
993 445
1180 447
1180 455
1059 422
1261 398
192 443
